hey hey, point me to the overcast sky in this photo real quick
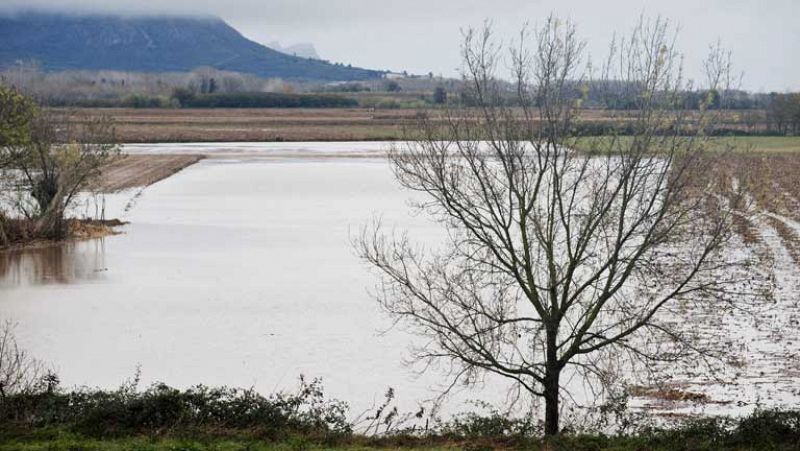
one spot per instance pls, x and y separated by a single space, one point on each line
423 36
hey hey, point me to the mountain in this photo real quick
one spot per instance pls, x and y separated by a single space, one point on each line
152 44
303 49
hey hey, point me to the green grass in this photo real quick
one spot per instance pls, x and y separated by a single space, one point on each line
161 418
69 442
583 443
767 144
755 144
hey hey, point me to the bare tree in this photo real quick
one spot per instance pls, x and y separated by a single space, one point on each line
558 260
19 372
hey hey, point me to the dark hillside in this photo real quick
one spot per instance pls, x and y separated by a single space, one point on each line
151 44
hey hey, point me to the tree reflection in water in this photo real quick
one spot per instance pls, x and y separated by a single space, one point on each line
62 263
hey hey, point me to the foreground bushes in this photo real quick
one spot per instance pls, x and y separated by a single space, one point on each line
163 410
199 418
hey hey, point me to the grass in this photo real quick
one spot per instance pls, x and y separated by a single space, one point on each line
148 444
766 144
739 144
74 443
68 442
161 418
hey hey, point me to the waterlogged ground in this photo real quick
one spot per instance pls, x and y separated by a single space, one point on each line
239 271
232 272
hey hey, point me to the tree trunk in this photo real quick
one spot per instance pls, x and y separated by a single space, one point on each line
51 224
551 406
3 235
551 384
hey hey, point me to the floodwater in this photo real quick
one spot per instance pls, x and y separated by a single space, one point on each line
235 271
239 271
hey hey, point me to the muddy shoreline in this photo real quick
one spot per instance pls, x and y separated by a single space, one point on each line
133 171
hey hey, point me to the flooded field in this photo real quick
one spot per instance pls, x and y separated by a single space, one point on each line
239 271
232 272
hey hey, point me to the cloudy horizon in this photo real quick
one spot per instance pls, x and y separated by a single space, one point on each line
423 36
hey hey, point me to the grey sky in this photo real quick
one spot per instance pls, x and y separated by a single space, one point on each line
424 35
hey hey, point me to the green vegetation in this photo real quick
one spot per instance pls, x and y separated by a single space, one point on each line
129 101
384 102
16 115
766 144
163 409
39 415
45 160
768 430
748 144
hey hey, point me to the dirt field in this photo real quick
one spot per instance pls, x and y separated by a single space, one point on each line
296 124
248 125
142 170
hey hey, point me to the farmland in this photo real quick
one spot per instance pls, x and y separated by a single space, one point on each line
151 125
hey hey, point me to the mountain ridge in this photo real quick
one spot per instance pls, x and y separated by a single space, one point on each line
152 43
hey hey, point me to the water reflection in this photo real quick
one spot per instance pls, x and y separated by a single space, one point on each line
63 263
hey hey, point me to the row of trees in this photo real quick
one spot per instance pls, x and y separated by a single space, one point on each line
79 88
46 159
189 99
110 88
783 113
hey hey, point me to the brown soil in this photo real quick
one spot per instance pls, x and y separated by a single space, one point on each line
250 125
134 125
142 170
668 394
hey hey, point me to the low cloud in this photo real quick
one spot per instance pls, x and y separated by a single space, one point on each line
424 36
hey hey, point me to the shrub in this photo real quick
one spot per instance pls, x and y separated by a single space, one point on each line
164 409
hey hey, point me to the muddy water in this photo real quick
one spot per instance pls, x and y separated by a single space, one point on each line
60 265
239 271
232 272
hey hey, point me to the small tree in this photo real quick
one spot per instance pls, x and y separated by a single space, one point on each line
393 86
16 115
439 96
558 262
64 155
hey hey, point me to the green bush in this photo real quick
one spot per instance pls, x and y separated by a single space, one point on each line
493 426
161 408
305 418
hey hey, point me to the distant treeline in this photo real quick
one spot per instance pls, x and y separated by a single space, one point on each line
188 99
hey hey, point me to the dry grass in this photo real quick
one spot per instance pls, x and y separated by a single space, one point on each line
21 232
